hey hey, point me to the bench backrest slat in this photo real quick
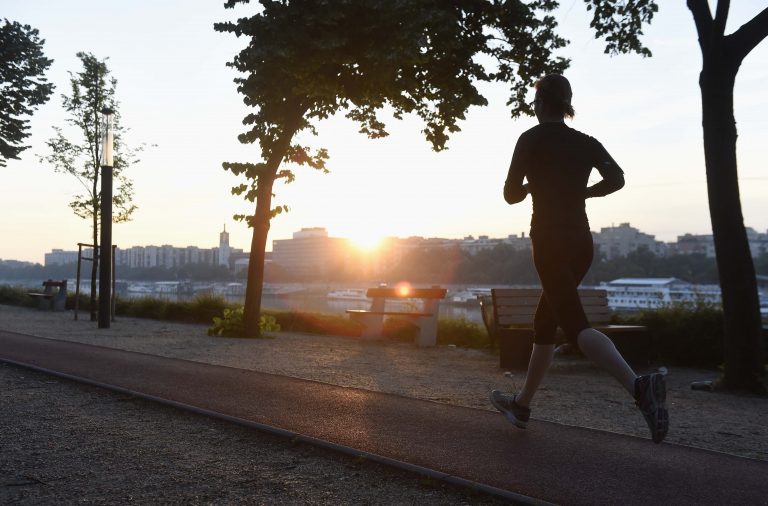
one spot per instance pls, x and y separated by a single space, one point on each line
517 306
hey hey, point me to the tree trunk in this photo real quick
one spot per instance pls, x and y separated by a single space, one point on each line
255 282
741 306
260 224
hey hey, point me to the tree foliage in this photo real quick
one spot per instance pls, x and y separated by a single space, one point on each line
359 57
621 22
91 90
307 60
23 86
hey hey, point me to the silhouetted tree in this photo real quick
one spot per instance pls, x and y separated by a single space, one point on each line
307 60
722 56
23 86
91 91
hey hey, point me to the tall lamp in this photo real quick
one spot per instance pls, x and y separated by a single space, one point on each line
105 247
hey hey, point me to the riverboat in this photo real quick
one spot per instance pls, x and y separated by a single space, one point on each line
348 294
634 294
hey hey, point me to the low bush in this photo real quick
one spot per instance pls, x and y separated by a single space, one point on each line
316 323
462 332
16 296
232 324
684 334
201 309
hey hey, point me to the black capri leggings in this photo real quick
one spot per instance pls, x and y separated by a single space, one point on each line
562 257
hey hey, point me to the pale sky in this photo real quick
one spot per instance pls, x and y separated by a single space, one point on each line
176 92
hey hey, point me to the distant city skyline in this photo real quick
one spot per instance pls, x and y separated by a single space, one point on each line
612 241
175 91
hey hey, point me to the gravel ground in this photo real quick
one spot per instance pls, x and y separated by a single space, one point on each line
68 443
574 393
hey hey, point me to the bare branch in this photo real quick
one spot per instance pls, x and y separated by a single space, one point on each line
751 33
702 16
721 16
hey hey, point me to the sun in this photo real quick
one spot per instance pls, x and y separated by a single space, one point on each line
367 242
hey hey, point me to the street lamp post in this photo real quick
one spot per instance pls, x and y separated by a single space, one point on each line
105 247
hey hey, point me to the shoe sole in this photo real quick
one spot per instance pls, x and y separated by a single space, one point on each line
510 415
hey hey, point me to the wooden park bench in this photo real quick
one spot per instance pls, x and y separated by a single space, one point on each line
50 299
508 316
426 320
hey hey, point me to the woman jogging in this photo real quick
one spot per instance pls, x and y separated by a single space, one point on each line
557 160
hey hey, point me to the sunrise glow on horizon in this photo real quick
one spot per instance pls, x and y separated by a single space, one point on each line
175 92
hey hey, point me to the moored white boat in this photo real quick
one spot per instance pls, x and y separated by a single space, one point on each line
467 296
633 294
348 294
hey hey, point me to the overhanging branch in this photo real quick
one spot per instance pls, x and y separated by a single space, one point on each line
746 38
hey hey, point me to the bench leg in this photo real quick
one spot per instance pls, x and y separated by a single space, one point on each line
59 303
45 303
427 331
373 326
428 324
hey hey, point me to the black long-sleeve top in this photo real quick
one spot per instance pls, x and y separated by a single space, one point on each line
557 160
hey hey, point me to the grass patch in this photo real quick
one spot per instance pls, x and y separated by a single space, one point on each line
200 309
17 296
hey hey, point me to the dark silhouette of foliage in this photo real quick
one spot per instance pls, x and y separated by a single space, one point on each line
308 60
23 86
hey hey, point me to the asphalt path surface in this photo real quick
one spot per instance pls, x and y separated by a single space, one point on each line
548 462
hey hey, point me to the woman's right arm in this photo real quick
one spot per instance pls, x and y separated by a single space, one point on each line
514 189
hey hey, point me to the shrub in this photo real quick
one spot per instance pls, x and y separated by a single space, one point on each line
462 332
232 323
316 323
16 296
683 334
201 309
204 306
144 307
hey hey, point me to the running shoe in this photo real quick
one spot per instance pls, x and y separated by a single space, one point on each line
515 413
650 396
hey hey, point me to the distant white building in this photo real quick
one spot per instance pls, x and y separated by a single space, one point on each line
158 256
473 246
616 242
61 257
705 244
311 253
690 244
521 242
224 249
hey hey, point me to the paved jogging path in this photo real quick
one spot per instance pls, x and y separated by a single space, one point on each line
548 462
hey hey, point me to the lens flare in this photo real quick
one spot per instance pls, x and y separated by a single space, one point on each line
403 289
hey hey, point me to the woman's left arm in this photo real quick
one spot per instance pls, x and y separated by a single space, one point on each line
613 176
